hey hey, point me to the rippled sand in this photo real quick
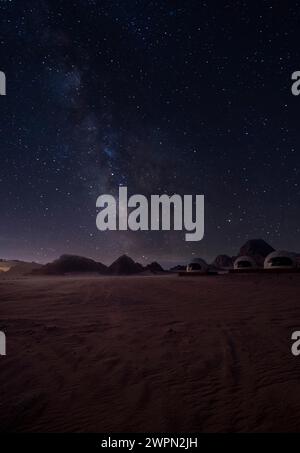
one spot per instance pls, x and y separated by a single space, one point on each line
150 354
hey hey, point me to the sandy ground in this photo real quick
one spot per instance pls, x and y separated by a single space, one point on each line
150 354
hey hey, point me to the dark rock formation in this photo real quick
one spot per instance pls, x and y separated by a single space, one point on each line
257 249
155 268
68 264
223 262
125 266
178 268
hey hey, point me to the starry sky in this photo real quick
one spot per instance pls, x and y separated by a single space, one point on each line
161 96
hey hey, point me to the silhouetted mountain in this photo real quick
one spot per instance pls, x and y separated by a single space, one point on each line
125 266
257 249
155 268
23 269
17 267
67 264
223 262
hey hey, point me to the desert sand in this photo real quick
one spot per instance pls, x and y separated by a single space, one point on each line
136 354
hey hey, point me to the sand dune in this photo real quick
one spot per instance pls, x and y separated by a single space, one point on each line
150 353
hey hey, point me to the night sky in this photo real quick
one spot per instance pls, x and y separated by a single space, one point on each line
161 96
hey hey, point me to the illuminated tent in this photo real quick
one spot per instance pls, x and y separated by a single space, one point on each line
280 260
245 262
197 265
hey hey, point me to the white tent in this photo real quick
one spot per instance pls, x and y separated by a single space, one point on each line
245 262
280 260
197 265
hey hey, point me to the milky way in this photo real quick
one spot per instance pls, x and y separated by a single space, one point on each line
162 98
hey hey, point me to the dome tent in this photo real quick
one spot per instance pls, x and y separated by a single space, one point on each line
280 260
245 263
197 265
